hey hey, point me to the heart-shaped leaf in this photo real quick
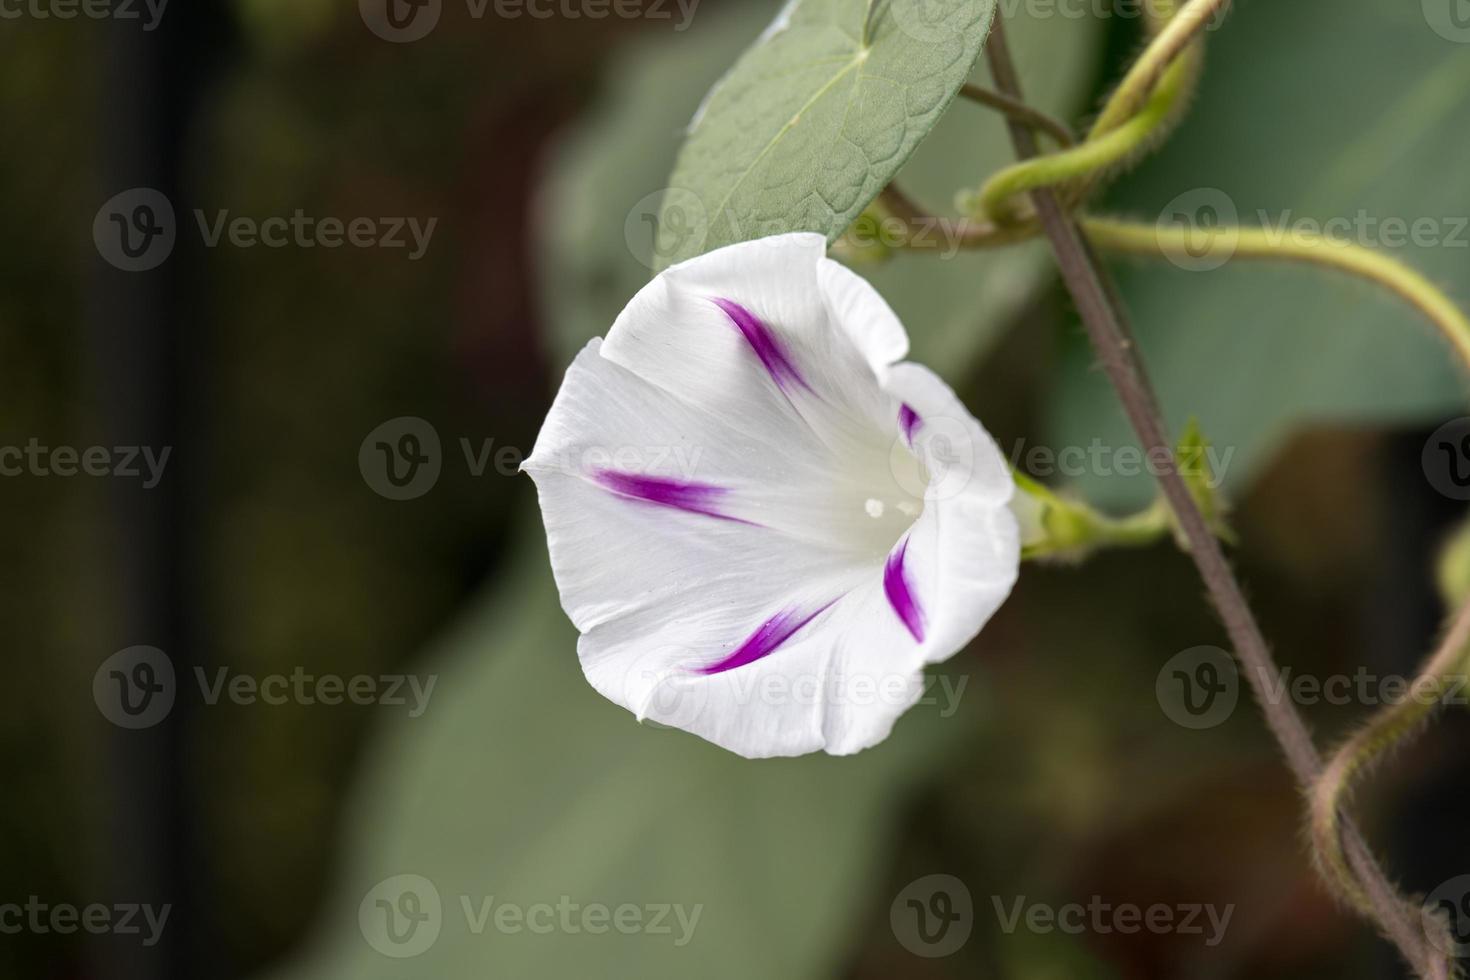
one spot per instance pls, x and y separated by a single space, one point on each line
521 825
813 120
600 207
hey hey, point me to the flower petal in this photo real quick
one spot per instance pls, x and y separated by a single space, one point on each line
750 329
647 501
962 557
744 495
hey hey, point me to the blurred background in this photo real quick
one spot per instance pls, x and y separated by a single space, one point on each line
272 682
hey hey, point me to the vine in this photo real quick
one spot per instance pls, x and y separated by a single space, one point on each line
1043 194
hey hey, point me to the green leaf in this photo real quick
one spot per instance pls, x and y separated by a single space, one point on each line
523 785
607 179
955 304
1290 123
816 118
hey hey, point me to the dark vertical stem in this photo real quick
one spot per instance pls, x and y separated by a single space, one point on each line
1107 329
146 330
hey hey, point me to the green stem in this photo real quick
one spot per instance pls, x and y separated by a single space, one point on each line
998 196
1173 39
1395 724
1140 111
1057 528
1350 867
1387 730
1177 244
1021 112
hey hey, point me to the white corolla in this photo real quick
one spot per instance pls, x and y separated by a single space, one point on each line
762 521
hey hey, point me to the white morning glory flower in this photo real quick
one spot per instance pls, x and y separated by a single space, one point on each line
762 523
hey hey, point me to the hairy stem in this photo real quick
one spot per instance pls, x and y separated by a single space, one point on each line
1021 112
1106 327
1388 729
1396 724
1138 86
1316 249
1084 161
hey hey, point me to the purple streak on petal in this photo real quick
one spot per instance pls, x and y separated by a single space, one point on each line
909 422
896 587
765 343
764 641
696 498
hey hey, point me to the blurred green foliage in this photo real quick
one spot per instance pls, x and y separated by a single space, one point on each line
1057 778
523 785
1295 121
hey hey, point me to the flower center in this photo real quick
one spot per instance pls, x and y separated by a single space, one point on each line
887 497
